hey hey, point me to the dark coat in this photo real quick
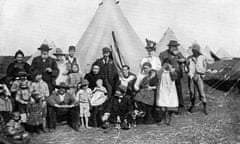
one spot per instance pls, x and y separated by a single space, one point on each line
92 78
39 65
108 71
14 68
117 108
173 60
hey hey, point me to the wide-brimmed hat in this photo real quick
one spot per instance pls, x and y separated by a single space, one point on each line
44 47
151 45
173 43
62 85
196 47
22 73
106 50
59 52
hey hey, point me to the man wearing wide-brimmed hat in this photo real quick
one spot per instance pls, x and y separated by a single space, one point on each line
155 61
61 102
46 65
176 60
197 84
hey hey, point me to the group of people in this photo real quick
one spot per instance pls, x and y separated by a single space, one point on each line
51 89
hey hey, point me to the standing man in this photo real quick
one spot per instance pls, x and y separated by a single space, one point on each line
197 84
155 61
176 60
46 65
108 71
72 59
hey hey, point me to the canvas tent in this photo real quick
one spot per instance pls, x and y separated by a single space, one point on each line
107 19
223 54
37 53
162 45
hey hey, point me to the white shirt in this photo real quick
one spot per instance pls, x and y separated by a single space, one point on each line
201 64
155 62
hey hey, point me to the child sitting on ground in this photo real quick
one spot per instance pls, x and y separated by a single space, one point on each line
97 101
23 98
14 129
117 109
35 113
83 97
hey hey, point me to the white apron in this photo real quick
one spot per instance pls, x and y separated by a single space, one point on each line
167 92
62 77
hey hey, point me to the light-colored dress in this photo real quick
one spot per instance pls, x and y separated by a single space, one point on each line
167 92
62 77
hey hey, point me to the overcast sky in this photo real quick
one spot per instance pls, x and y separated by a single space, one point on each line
26 23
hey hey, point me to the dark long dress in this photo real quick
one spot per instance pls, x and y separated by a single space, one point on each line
145 95
146 98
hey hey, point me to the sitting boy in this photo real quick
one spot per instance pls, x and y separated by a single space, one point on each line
118 106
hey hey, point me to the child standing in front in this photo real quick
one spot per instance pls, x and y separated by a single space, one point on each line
83 96
167 97
98 99
39 86
23 98
74 77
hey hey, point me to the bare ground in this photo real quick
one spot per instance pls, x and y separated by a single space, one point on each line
222 125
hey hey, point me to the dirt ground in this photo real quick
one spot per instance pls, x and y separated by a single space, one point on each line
221 126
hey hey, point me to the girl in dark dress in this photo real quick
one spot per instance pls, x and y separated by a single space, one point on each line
146 95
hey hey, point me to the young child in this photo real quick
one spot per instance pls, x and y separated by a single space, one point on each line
5 100
23 98
35 113
39 86
97 101
14 129
73 79
84 96
167 97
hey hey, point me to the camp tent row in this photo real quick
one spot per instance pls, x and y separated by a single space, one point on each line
127 47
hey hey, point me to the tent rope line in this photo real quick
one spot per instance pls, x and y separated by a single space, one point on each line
223 81
228 92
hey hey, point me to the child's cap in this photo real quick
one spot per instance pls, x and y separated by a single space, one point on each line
85 82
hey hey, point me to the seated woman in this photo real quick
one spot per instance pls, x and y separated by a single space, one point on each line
127 79
16 66
62 102
147 91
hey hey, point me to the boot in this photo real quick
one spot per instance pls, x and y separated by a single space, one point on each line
205 108
44 125
192 106
168 118
163 118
